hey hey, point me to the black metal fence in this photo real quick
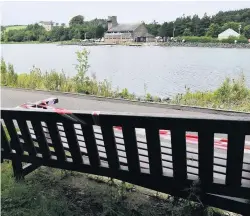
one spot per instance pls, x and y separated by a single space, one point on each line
88 143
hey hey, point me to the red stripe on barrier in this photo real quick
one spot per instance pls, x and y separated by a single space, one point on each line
192 137
163 132
62 111
223 140
118 127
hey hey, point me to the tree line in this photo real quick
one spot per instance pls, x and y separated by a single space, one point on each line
78 29
209 26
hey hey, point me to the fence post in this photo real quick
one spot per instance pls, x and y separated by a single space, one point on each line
17 169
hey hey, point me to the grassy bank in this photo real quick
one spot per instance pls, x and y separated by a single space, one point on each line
230 95
15 27
48 191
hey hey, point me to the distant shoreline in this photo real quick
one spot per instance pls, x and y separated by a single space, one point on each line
208 45
161 44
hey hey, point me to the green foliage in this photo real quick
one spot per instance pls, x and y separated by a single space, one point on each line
29 33
209 26
232 91
14 27
82 68
99 31
78 30
213 30
232 25
42 38
194 39
153 28
77 20
187 32
8 76
232 40
232 94
247 31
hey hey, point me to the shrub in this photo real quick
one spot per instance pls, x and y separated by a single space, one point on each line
42 38
195 39
232 40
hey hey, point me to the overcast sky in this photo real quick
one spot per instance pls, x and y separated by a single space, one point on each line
30 12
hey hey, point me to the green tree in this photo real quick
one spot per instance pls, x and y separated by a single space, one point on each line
195 25
187 32
99 32
204 25
82 68
213 30
153 28
77 20
163 30
232 25
247 31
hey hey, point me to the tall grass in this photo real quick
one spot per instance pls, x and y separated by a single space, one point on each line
232 94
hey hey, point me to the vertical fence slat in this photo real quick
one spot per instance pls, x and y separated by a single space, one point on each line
89 137
131 149
235 154
56 140
14 139
178 141
17 168
4 141
154 151
110 146
41 139
27 137
73 143
206 156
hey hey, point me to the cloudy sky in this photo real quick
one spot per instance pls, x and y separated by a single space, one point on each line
26 12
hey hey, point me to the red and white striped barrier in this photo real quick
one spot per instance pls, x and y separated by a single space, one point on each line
220 143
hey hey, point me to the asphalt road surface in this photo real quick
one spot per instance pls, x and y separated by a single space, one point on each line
12 98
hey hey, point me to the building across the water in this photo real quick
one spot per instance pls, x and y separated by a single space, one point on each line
117 33
228 33
48 25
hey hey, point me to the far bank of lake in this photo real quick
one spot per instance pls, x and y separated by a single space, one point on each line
162 71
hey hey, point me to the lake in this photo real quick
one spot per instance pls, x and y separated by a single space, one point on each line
164 71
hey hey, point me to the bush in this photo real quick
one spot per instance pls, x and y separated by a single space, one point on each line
231 40
42 38
232 94
232 91
195 39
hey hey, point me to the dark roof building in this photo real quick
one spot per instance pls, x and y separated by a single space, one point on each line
136 32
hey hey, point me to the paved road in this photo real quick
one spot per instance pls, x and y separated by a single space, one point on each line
12 98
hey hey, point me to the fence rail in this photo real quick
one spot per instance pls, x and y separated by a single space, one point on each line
89 143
